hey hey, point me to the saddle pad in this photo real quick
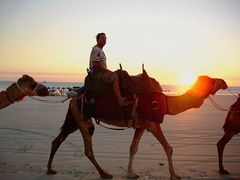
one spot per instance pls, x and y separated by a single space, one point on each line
106 106
151 107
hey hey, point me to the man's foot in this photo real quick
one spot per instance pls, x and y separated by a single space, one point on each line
125 102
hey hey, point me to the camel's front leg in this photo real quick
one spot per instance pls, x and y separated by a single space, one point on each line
133 150
157 132
220 146
55 145
87 131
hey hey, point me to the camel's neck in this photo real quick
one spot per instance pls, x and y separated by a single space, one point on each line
178 104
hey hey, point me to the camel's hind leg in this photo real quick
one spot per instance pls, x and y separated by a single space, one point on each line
133 150
220 146
156 130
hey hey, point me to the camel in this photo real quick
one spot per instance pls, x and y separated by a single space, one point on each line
25 86
193 98
231 127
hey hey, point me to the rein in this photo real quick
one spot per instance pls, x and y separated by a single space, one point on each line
220 107
22 90
232 92
41 100
19 88
50 101
217 106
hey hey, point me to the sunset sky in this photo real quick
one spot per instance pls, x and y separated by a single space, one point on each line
177 40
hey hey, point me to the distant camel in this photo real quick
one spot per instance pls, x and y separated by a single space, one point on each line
25 86
231 127
193 98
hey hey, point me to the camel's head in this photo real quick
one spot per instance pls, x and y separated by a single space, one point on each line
205 86
30 87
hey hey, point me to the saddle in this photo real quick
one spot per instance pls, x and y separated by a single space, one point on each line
101 102
139 84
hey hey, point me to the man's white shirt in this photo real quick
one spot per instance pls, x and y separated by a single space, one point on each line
97 54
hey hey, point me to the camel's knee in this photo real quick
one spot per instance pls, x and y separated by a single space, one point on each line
91 130
133 150
56 143
169 150
89 154
218 145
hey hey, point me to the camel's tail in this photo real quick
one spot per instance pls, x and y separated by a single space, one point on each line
69 124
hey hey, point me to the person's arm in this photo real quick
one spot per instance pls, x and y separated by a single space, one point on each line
99 66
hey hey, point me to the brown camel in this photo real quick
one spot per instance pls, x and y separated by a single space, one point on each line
75 120
25 86
231 128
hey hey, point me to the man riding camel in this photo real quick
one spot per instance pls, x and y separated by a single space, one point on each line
98 63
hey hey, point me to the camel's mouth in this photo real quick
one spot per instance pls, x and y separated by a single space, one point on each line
43 92
219 84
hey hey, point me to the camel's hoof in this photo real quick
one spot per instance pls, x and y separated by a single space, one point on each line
133 175
51 171
175 177
106 176
223 171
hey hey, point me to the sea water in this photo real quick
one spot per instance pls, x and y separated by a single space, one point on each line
169 89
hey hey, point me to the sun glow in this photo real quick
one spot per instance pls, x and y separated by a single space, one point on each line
186 81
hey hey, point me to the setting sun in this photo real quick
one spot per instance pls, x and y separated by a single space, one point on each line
186 81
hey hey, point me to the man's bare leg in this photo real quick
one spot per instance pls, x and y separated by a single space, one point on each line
121 101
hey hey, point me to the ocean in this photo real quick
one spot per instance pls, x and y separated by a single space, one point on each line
169 89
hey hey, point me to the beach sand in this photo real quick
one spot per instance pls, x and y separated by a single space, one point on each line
27 129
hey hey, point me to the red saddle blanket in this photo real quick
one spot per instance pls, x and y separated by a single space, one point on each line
152 107
149 107
106 106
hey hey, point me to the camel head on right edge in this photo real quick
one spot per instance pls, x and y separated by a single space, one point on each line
204 86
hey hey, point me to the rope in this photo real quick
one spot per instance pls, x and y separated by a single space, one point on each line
232 93
216 105
221 108
50 101
19 87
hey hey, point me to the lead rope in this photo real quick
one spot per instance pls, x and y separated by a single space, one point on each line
50 101
42 100
232 93
221 108
216 105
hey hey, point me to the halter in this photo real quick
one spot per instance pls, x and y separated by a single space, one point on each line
215 85
22 90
